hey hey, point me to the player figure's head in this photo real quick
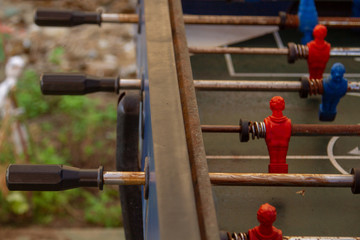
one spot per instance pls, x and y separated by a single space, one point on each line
277 104
337 72
266 214
319 32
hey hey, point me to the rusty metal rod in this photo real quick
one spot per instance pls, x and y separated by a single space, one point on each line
27 177
318 238
240 236
243 85
297 129
246 179
119 18
291 20
239 50
78 84
335 52
233 85
339 22
124 178
246 85
196 150
269 179
54 17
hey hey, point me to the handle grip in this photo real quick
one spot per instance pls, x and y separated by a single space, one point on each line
65 18
76 84
24 177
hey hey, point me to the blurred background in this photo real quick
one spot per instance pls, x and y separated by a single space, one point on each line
72 130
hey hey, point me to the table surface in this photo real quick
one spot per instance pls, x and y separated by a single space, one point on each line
320 211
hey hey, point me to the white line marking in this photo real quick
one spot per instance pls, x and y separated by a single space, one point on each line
332 159
278 40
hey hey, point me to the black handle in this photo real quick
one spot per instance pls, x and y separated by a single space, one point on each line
24 177
76 84
65 18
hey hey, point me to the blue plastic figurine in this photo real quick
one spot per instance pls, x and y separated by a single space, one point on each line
335 87
356 8
308 19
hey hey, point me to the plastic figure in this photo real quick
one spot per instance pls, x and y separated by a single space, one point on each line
266 216
319 53
308 18
335 87
355 10
278 132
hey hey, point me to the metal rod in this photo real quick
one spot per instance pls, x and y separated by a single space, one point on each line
297 129
291 20
119 18
266 157
199 19
239 236
335 52
203 193
231 20
269 179
324 130
239 50
246 179
124 178
339 22
319 238
222 85
130 83
234 85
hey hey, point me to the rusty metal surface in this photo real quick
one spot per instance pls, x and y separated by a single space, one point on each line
119 18
239 50
228 85
240 236
353 87
344 52
334 52
291 21
200 19
202 187
169 165
221 128
339 22
270 179
246 179
124 178
297 129
319 238
236 85
231 20
324 130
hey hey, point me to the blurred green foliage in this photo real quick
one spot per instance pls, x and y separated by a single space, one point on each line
63 130
56 55
2 52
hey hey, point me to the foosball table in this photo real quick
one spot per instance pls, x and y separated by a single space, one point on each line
188 162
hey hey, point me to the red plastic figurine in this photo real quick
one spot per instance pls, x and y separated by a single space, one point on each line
319 52
266 216
278 132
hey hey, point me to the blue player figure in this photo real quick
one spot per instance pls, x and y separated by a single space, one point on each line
308 19
335 87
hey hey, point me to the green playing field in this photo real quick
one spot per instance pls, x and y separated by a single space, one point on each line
320 211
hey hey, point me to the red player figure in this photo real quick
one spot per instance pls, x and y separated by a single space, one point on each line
278 132
266 216
319 52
